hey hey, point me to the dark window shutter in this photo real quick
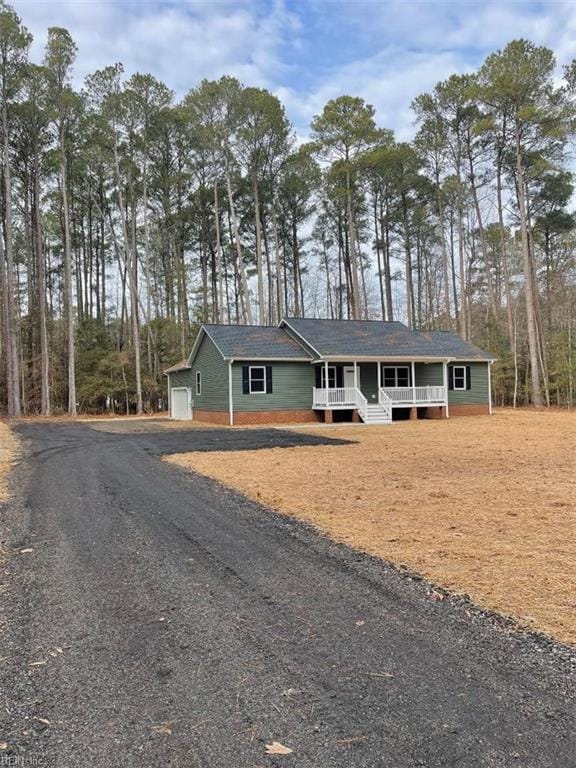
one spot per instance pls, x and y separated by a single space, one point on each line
245 380
339 376
318 375
468 378
268 379
450 377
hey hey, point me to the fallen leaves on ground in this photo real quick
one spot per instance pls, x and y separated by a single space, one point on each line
9 448
43 720
164 728
277 749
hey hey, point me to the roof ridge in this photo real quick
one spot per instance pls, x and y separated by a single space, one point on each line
238 325
345 320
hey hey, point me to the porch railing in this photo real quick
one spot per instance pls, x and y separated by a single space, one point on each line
351 397
334 397
415 395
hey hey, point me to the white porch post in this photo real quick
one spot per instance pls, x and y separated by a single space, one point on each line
413 382
325 374
355 375
379 376
490 387
445 379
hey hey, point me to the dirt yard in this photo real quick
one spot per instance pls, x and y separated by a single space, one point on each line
8 453
481 505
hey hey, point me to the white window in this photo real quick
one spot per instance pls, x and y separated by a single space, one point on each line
198 383
257 379
331 377
459 377
396 376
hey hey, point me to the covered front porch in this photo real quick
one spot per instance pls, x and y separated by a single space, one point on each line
374 389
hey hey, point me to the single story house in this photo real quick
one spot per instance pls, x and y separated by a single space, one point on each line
306 370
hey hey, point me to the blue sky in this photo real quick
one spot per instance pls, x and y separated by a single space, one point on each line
306 52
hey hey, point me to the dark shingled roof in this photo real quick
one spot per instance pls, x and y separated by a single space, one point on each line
375 338
254 341
181 366
451 345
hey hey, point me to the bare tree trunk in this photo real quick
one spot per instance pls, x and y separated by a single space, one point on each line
354 293
131 269
219 282
408 257
444 249
259 267
279 288
149 343
247 309
6 343
386 258
68 296
10 323
528 280
462 266
45 407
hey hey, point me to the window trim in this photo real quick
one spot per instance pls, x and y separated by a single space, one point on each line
258 368
395 368
198 383
324 385
463 377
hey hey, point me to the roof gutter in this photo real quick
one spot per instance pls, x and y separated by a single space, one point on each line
380 359
396 359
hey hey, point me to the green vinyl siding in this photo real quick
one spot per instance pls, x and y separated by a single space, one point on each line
429 375
214 378
292 384
180 379
478 392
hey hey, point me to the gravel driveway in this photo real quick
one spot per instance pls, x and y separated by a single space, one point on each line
163 620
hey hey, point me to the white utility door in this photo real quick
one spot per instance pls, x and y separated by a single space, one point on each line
180 403
349 376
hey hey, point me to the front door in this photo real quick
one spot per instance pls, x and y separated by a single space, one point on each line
349 376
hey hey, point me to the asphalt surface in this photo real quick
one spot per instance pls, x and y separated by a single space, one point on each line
163 620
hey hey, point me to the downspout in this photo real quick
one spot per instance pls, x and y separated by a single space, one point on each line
445 377
490 387
230 399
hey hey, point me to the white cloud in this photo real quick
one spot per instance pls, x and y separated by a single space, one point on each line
386 52
389 81
412 46
180 43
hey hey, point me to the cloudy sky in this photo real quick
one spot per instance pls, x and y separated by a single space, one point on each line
305 52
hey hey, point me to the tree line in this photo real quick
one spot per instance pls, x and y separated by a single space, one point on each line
130 217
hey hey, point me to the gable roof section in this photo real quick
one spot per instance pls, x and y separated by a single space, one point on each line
253 342
376 338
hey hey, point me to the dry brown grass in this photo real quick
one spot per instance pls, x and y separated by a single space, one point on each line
8 453
480 505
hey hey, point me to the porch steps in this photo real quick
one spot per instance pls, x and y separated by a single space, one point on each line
377 414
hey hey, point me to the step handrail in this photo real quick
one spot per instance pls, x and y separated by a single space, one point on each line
361 404
385 401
